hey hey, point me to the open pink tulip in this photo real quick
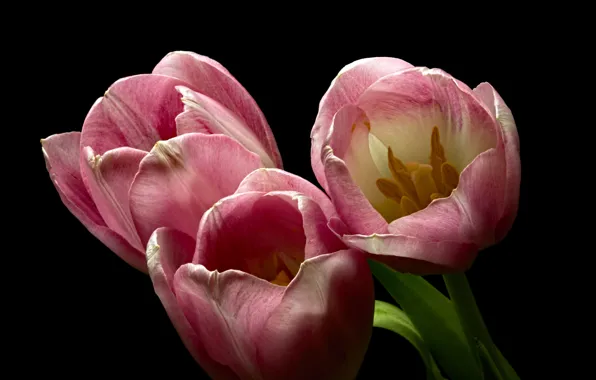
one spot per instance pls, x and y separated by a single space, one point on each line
268 292
188 132
423 171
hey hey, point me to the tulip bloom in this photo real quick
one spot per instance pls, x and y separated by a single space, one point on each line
123 175
268 292
424 172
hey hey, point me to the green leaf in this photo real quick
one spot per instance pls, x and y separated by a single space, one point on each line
507 369
435 319
392 318
488 362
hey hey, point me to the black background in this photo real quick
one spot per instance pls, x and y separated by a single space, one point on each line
96 315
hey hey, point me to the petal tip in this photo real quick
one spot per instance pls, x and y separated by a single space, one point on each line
169 153
92 159
327 153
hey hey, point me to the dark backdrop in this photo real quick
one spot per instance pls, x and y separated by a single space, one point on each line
96 315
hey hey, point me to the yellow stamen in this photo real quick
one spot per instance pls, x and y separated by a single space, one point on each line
278 268
395 164
435 144
404 181
290 263
424 183
281 279
389 189
408 206
411 166
265 268
437 157
415 185
449 176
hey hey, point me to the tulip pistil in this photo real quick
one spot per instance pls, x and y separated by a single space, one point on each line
414 185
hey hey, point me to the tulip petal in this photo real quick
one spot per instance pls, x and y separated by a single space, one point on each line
450 231
183 177
319 238
346 88
136 111
404 107
353 207
481 192
219 119
208 77
502 113
409 254
227 311
191 122
61 153
167 250
322 326
268 179
248 227
108 178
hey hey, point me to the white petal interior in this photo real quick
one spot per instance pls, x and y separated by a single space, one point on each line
378 152
409 136
364 172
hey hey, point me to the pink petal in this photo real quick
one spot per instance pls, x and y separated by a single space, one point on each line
445 219
481 192
350 141
346 88
322 326
167 250
218 119
446 235
182 177
502 113
267 180
227 311
319 238
208 77
342 128
248 226
427 242
108 178
413 255
61 153
404 107
136 111
190 122
351 204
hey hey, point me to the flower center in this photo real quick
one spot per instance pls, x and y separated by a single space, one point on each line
415 185
278 268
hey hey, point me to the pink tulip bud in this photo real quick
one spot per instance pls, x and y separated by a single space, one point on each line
423 171
269 292
128 171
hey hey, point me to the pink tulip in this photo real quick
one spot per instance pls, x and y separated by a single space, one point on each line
268 292
127 173
424 172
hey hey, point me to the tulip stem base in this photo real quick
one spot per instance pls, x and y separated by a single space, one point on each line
473 324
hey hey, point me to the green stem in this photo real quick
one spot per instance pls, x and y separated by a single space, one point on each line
471 319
